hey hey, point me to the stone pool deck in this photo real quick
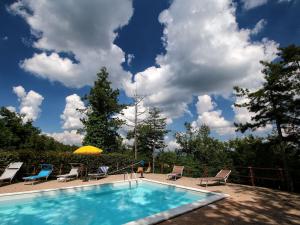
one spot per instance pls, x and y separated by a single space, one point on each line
246 204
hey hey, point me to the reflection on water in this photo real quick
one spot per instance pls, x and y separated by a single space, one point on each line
104 204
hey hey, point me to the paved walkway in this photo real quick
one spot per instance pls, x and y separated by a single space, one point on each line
246 204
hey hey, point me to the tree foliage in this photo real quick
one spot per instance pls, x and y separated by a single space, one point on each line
16 135
100 124
151 133
204 148
277 102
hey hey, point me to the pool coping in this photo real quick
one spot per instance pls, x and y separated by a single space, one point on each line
60 188
153 219
168 214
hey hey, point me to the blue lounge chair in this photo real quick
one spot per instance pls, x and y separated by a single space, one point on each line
44 173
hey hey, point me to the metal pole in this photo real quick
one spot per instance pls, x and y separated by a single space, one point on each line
135 127
153 148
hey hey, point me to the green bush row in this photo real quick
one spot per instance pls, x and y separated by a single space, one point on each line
61 160
192 167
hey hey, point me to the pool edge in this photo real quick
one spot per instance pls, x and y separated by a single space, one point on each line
168 214
58 189
153 219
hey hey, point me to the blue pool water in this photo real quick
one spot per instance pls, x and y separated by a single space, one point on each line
104 204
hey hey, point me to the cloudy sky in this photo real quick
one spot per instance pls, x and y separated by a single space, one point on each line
184 56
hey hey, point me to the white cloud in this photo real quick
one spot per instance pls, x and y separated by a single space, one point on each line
128 115
212 118
130 57
71 122
29 103
11 108
206 53
71 116
250 4
242 115
171 143
260 25
128 142
216 122
19 91
5 38
84 30
67 137
204 104
281 1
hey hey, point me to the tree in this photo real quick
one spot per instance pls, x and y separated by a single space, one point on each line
16 135
151 133
277 101
185 139
100 124
205 149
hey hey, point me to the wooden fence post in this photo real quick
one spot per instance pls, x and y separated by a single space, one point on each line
251 175
281 174
60 169
34 169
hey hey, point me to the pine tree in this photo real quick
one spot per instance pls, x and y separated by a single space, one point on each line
277 102
100 124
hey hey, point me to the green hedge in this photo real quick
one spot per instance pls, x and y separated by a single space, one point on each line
61 160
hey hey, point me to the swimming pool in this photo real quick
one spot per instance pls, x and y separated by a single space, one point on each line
107 204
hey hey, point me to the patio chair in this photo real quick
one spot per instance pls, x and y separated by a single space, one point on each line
148 169
46 170
10 171
101 172
176 172
222 175
73 174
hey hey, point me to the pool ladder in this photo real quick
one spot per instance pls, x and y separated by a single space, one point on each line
130 179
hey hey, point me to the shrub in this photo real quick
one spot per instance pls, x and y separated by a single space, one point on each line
61 160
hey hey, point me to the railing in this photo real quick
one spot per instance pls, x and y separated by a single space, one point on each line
256 174
130 179
131 166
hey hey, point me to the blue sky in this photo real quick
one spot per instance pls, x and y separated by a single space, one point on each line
185 57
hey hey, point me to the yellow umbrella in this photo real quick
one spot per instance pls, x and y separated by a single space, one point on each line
88 150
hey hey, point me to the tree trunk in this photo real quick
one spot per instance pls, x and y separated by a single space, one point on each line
282 145
153 157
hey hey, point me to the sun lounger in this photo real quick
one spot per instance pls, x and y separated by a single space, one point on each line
73 174
176 172
148 170
222 175
10 172
101 172
44 173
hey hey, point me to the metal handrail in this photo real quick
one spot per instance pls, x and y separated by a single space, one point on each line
126 167
130 179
